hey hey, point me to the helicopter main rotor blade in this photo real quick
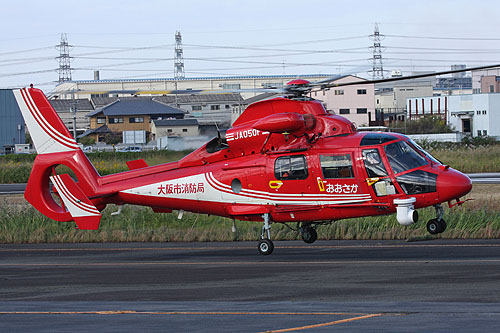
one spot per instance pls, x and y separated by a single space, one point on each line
321 86
136 92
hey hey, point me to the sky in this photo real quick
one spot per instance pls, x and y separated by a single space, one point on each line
136 39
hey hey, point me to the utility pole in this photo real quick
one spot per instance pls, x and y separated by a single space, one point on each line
74 116
64 60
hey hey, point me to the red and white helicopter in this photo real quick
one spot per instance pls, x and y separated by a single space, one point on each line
284 160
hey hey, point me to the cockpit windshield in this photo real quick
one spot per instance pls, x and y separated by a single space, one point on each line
403 157
429 156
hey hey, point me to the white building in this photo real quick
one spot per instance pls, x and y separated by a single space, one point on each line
479 112
434 105
474 114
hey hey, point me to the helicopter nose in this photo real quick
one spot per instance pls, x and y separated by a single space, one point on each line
452 184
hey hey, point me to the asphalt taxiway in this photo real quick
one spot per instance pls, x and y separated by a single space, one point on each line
437 285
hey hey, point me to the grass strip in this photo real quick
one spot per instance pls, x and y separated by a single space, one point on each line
24 224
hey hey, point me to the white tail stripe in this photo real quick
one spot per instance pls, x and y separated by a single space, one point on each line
43 141
282 196
308 199
51 131
42 121
68 198
73 199
76 201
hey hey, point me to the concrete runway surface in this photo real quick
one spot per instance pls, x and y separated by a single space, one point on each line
392 286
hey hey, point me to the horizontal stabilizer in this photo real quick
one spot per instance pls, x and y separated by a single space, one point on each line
137 164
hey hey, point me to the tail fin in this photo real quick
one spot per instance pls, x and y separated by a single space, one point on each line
55 146
47 130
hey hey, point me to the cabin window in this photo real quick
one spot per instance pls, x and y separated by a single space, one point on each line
336 166
291 167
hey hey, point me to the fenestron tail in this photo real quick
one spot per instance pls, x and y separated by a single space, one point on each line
55 146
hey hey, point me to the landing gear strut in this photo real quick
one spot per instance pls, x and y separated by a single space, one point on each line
266 246
437 225
308 233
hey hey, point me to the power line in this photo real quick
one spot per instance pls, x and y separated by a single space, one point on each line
29 73
27 50
445 38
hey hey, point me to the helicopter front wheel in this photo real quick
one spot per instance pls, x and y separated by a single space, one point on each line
436 226
308 233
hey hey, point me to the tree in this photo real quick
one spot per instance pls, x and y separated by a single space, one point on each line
87 141
113 138
426 125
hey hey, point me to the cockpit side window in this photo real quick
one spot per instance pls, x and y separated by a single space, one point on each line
403 157
373 163
381 183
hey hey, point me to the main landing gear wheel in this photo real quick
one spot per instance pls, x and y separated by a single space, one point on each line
266 246
436 226
309 234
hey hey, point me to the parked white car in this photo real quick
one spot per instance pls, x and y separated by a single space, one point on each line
132 149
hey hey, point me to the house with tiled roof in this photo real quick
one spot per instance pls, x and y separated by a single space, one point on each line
174 128
208 109
132 115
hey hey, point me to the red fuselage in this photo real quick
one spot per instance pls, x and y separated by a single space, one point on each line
288 160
